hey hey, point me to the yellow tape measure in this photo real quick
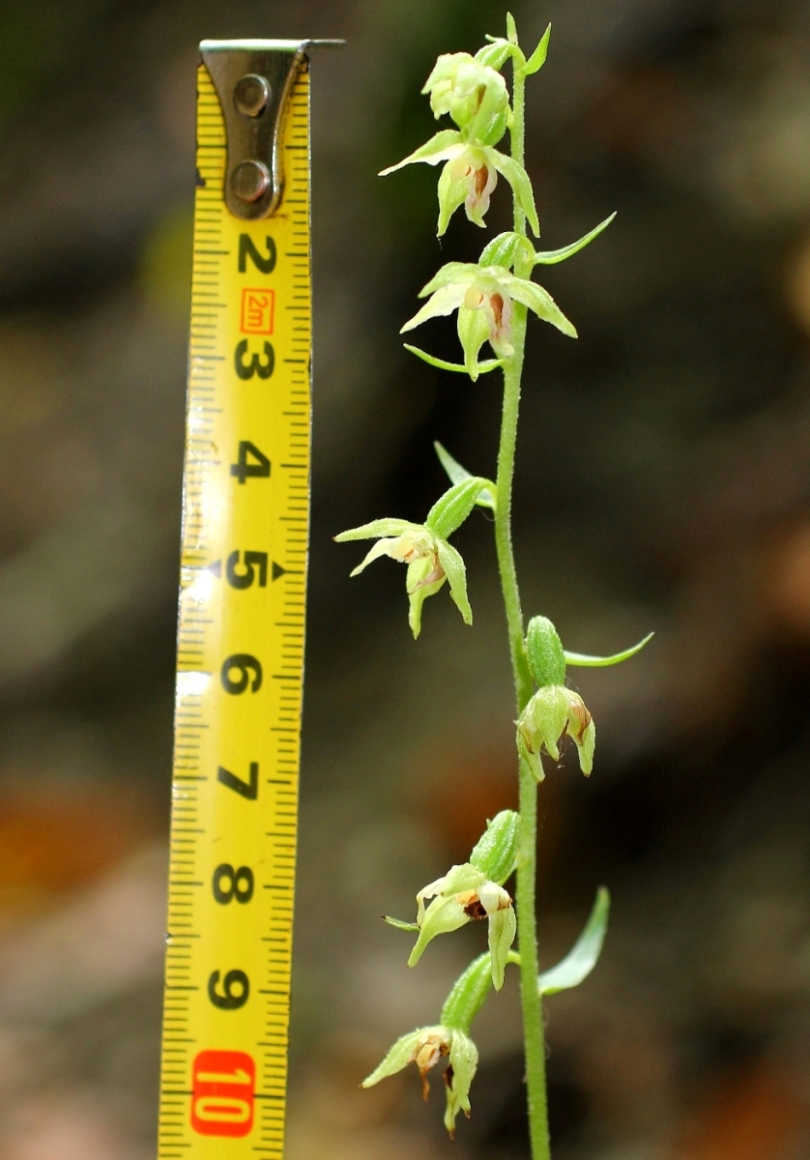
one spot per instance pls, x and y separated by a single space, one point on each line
241 610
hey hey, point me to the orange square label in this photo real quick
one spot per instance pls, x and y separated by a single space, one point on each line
258 308
223 1086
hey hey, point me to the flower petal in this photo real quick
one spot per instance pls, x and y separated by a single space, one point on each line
456 574
442 147
443 302
400 1055
540 301
451 272
383 527
502 930
452 194
519 179
441 917
473 331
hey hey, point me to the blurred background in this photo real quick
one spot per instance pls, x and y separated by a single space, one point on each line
663 484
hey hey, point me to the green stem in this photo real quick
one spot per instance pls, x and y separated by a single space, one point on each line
527 842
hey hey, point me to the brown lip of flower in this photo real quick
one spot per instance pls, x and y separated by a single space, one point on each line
426 1057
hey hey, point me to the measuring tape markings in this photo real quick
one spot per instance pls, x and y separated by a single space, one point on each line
240 660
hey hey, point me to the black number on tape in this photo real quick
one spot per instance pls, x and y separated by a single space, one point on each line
248 250
229 1000
237 884
246 370
247 789
243 470
245 664
246 578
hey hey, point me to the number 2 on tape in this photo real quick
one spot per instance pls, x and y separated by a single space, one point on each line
223 1093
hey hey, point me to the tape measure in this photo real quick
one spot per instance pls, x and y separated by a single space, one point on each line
240 651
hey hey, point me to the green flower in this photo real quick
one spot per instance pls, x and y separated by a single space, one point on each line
474 95
426 1047
431 560
552 712
483 296
470 175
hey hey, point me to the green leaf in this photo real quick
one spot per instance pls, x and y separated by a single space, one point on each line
511 28
452 509
551 257
540 301
490 364
438 148
587 662
456 474
538 57
518 178
456 574
399 924
584 955
376 528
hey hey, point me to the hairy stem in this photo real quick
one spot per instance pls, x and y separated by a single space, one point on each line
527 842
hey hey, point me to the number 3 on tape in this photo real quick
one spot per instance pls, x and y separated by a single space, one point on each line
223 1093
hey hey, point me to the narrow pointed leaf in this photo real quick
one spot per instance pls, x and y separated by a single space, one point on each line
456 574
376 528
518 178
432 152
540 301
490 364
456 473
511 28
587 662
584 955
551 257
538 57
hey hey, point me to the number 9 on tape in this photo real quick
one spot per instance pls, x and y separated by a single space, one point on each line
222 1096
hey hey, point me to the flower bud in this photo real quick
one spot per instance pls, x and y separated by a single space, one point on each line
473 94
495 852
545 652
552 712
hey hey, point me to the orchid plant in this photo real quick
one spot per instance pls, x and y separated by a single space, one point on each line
492 299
